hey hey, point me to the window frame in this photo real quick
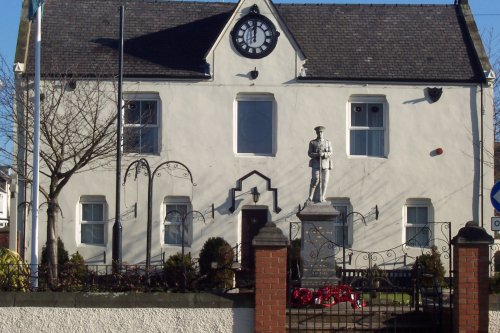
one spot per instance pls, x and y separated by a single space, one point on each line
142 97
3 202
376 99
418 203
343 202
188 223
256 97
93 200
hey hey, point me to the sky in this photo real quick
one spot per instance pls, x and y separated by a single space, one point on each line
486 13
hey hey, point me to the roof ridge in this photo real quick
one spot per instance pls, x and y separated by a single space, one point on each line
364 4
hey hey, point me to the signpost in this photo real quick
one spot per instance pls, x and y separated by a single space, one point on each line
495 223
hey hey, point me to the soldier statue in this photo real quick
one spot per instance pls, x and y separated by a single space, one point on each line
320 152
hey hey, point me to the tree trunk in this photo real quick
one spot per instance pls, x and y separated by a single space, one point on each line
52 211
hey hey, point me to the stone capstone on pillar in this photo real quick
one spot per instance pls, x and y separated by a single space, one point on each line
270 235
472 233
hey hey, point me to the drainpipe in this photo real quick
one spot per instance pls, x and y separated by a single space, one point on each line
481 161
481 156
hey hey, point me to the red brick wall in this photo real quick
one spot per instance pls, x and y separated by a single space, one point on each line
4 239
471 288
270 289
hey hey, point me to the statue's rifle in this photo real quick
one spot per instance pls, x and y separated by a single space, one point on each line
320 169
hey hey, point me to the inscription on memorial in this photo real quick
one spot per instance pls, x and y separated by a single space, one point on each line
317 248
318 259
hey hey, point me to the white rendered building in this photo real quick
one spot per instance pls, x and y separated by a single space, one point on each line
234 91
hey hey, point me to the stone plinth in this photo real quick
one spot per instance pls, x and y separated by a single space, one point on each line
317 247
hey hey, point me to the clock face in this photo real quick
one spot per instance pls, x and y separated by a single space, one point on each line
254 36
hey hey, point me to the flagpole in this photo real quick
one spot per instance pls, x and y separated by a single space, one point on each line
36 154
117 226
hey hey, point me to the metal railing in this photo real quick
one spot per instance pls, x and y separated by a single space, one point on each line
76 277
105 278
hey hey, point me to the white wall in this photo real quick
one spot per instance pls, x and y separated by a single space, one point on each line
123 320
197 122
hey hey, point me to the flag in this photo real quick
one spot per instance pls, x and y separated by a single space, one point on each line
33 8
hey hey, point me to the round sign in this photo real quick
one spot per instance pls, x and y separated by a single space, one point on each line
495 196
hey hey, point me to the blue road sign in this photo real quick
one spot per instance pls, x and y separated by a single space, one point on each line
495 196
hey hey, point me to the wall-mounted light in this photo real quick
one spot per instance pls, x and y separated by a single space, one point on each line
255 194
434 94
254 74
71 85
239 187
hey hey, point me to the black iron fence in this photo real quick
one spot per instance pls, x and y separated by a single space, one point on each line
104 278
372 300
222 270
406 288
85 278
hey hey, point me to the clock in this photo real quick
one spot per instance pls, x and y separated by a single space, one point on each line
254 36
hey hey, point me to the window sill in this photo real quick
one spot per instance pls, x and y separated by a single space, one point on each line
414 246
91 245
246 155
368 157
177 246
128 154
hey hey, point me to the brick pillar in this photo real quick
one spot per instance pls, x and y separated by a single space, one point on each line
470 282
4 239
271 248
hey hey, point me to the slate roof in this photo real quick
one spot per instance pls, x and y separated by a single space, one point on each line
341 42
387 42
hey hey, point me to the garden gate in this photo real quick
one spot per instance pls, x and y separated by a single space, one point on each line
406 288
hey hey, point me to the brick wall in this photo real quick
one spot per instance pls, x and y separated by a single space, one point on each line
4 239
271 249
470 283
270 290
471 288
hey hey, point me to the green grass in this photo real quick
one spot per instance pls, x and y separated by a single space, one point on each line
380 298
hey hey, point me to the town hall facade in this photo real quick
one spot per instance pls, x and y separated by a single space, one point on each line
233 91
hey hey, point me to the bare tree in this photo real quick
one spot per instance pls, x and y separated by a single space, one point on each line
491 40
77 133
492 45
